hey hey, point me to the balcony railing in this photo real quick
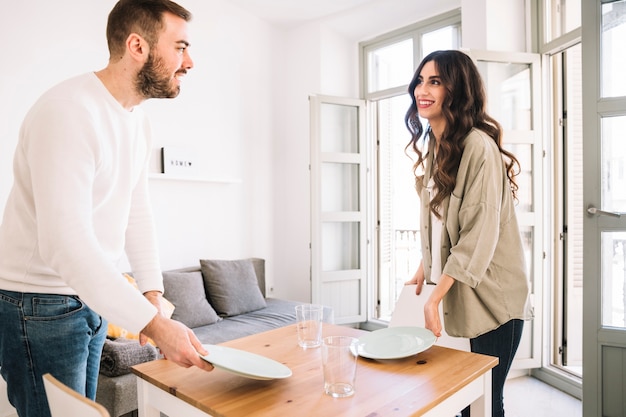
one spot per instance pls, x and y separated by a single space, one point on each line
402 261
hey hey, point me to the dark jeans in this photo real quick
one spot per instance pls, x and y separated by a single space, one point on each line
41 333
502 343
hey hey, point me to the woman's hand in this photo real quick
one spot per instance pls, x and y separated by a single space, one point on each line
431 308
432 318
417 279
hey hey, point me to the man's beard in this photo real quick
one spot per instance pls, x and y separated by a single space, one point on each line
153 81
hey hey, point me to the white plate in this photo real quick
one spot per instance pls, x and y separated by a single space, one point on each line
395 342
246 364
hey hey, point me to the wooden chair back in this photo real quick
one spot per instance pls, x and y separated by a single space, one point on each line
65 402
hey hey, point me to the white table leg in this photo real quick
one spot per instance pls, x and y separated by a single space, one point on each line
151 401
477 394
145 409
482 406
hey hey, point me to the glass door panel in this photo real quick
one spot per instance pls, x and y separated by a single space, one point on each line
524 154
613 279
613 200
509 94
567 281
339 132
340 249
572 352
399 248
613 164
513 99
612 51
604 98
528 239
340 187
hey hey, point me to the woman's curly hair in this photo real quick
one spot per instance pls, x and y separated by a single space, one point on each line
464 108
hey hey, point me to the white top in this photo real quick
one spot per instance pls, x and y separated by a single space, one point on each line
79 200
436 226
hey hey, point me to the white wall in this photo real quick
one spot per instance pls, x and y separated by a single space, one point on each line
40 51
243 109
225 117
224 114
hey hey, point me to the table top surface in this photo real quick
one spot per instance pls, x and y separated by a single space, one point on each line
401 387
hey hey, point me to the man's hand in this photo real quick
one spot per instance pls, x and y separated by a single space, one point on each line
177 342
155 297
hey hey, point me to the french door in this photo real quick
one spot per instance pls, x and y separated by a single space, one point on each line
604 195
513 85
338 206
568 213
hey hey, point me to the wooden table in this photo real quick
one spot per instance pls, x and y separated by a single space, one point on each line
438 382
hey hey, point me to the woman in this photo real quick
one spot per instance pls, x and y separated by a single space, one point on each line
471 244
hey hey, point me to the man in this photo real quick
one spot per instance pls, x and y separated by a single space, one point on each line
78 202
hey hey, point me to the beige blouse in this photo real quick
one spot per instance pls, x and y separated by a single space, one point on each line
481 246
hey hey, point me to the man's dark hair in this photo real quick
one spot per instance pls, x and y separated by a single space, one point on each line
144 17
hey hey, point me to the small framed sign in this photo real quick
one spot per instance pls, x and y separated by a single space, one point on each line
178 161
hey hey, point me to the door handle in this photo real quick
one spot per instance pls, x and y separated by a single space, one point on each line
597 211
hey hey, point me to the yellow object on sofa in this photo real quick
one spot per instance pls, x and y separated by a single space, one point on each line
114 331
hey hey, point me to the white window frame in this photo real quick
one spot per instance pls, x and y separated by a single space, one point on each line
415 32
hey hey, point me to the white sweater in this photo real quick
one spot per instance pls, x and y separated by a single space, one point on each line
79 200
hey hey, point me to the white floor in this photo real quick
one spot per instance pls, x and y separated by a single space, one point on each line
526 396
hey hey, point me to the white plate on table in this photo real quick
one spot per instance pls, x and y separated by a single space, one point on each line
246 364
395 342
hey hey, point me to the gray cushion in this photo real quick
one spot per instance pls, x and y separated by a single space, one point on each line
278 313
117 394
232 286
186 291
259 270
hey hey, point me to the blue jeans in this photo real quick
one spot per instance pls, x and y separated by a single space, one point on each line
41 333
501 343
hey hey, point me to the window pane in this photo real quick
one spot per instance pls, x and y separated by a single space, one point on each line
527 241
562 16
572 183
340 130
524 154
613 271
340 187
398 250
444 38
390 66
340 246
509 93
612 53
398 204
613 159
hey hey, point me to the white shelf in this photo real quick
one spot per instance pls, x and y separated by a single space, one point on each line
169 177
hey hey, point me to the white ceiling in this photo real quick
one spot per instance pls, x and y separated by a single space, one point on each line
291 12
358 19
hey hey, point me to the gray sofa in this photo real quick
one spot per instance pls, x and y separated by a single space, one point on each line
219 301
